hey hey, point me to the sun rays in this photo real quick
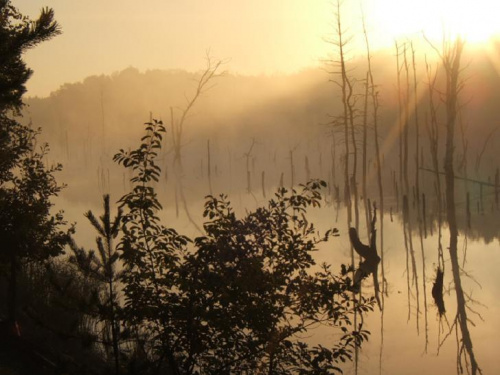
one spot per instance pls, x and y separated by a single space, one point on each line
476 22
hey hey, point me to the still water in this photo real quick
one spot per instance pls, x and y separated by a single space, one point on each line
401 340
406 344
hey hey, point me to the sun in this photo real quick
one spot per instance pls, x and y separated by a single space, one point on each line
475 21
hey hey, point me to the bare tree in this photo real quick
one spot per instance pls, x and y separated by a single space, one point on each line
417 191
450 56
346 120
400 120
212 71
248 157
375 107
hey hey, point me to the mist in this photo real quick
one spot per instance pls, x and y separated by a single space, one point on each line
342 214
260 132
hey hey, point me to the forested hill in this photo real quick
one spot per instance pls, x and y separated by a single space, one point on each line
248 106
86 123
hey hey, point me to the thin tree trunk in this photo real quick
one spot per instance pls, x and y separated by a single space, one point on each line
308 171
346 91
209 167
375 104
364 155
406 126
497 187
263 175
400 126
248 156
451 62
417 128
410 259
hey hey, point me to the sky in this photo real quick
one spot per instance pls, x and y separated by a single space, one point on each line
255 37
258 36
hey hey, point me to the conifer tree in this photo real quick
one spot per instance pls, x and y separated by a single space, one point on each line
28 229
18 33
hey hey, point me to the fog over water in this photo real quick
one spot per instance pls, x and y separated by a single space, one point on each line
264 187
403 350
263 132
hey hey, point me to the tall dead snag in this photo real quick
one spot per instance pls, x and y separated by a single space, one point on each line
424 284
263 183
450 59
292 168
333 177
417 192
411 259
417 127
400 124
346 120
403 188
307 169
433 135
354 183
406 122
340 42
364 155
212 70
209 168
333 170
497 187
375 106
248 157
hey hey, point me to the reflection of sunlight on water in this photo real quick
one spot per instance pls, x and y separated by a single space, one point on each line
403 351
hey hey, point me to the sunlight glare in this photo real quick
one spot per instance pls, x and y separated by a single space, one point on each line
475 21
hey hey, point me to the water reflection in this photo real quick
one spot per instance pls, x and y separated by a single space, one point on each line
409 343
404 335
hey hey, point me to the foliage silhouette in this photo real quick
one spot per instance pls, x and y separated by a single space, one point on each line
238 297
101 268
18 34
28 230
150 251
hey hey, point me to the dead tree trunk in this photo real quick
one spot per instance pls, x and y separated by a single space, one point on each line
209 168
451 61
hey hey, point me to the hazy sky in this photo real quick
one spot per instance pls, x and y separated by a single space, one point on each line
258 36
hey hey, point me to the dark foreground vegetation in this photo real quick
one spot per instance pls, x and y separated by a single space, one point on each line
238 299
242 294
